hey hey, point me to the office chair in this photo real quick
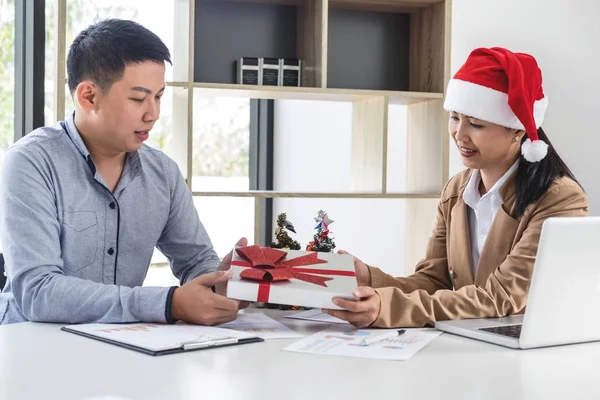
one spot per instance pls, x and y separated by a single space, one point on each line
2 273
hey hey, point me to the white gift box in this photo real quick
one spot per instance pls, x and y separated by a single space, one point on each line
333 276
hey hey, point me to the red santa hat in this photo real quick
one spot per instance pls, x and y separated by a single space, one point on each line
505 88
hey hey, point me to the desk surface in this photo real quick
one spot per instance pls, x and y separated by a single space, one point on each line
38 361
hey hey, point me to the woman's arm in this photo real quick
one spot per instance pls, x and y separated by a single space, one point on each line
505 291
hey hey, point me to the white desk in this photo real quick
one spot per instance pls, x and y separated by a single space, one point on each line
38 361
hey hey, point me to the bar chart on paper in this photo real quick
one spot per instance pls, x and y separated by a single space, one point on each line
344 341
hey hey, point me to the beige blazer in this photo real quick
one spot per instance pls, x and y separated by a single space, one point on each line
443 286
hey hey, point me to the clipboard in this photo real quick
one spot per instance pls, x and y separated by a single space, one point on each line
162 339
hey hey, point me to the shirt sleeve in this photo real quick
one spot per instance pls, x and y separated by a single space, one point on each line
30 234
184 241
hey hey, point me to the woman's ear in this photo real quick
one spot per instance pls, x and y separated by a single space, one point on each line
518 134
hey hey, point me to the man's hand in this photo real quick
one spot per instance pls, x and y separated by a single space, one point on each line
221 287
196 303
361 313
363 275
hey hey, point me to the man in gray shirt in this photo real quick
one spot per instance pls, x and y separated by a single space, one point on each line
84 203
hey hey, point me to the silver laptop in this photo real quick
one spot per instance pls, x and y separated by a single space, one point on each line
563 306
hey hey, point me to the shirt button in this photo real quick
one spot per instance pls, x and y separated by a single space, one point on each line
110 251
112 205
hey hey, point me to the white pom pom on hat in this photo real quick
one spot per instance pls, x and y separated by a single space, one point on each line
534 151
505 88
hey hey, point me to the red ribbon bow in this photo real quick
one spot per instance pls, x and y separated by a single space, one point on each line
267 265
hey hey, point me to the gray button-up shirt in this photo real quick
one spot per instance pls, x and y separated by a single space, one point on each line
74 251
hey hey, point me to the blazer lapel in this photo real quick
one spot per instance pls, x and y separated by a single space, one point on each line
460 258
500 236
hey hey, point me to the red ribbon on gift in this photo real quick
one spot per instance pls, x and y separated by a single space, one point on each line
267 265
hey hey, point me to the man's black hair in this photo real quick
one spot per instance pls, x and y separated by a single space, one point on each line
101 52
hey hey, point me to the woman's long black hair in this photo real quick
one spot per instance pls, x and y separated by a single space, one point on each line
534 179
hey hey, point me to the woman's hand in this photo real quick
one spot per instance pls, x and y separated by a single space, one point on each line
361 312
363 275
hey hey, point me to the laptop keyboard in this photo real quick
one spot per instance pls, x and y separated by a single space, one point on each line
506 330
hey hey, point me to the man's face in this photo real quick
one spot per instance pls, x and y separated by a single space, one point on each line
127 111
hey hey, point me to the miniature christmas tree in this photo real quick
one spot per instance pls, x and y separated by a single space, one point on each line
322 242
284 241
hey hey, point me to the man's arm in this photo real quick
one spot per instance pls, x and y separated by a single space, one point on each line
30 234
184 241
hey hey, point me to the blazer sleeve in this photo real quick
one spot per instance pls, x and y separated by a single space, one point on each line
505 291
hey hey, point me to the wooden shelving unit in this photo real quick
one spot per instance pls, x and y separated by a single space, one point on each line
406 46
371 53
272 194
307 93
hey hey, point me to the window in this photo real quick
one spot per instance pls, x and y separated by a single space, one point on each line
220 163
7 76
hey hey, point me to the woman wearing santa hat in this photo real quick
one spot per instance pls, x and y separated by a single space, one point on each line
480 256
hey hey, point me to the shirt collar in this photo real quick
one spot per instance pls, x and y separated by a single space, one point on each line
76 137
132 158
471 195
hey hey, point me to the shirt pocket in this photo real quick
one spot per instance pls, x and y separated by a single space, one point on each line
80 239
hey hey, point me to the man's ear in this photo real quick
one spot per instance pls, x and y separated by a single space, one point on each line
86 95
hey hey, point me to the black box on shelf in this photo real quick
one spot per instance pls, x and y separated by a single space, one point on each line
249 71
291 69
270 71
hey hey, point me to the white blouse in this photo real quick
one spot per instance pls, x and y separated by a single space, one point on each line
482 210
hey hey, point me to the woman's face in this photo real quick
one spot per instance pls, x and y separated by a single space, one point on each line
484 145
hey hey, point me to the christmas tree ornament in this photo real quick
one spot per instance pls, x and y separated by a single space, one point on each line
322 242
284 241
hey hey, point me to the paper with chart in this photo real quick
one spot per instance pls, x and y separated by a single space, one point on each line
344 340
316 315
157 337
261 325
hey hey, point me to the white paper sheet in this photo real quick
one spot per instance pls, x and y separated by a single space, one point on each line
261 325
316 315
344 340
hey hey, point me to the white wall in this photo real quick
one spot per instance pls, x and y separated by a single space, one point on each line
563 36
313 154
